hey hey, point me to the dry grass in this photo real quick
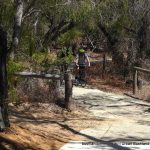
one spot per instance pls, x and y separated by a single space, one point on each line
110 82
113 83
38 126
144 93
36 90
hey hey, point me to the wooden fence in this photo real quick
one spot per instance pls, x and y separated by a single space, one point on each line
55 77
135 77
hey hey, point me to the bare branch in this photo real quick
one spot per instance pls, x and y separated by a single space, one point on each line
32 11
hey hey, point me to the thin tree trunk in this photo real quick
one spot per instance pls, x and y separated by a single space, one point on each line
3 77
53 33
68 90
142 39
117 55
17 26
35 27
147 30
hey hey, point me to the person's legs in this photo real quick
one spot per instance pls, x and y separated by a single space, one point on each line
82 72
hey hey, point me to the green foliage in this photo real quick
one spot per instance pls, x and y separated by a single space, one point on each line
43 60
13 96
80 11
39 57
6 13
13 67
67 56
69 37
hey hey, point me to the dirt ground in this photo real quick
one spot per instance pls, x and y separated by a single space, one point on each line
114 83
44 126
118 86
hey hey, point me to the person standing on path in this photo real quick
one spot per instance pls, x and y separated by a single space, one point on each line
82 60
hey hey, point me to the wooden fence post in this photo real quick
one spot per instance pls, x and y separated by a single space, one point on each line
68 89
57 88
104 65
135 74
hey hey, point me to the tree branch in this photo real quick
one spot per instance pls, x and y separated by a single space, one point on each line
107 34
32 11
129 30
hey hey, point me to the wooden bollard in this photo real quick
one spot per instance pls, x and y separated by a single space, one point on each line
135 77
57 86
104 65
68 89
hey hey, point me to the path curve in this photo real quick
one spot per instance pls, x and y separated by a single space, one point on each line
127 122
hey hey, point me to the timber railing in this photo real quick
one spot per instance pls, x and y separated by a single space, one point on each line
56 77
38 75
135 77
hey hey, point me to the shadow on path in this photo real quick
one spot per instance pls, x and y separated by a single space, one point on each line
5 143
108 143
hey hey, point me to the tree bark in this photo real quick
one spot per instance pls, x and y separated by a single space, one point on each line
117 55
17 26
3 76
68 90
54 32
148 35
35 24
142 38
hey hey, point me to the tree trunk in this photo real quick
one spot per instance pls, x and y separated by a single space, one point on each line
142 39
17 26
53 33
36 23
148 35
3 77
117 57
131 58
68 90
143 36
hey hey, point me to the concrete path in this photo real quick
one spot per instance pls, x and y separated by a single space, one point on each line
127 122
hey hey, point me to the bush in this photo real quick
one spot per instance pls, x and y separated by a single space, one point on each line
65 56
13 67
43 60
